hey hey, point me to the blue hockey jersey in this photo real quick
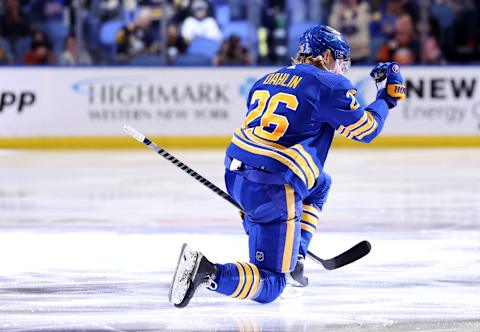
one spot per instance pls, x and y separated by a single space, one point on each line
291 120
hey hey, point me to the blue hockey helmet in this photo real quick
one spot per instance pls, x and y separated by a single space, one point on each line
316 40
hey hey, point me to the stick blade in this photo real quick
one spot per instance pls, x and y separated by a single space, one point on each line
351 255
355 253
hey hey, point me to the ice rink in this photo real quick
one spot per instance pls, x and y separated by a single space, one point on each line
89 240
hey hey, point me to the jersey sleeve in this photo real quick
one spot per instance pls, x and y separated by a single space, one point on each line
350 120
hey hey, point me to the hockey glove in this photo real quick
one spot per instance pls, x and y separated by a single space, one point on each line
390 82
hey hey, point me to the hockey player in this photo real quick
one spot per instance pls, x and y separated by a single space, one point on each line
274 165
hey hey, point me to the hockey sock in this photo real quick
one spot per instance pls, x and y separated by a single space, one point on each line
238 280
309 223
246 281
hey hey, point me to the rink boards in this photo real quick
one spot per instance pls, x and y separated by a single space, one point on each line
200 107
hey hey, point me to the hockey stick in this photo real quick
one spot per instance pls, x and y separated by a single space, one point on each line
351 255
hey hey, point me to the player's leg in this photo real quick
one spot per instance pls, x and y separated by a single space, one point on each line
273 226
309 222
312 206
238 280
272 223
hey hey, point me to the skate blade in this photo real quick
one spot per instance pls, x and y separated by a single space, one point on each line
178 288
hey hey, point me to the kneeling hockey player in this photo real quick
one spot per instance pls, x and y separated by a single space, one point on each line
274 166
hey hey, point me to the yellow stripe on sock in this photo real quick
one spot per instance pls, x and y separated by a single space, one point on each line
290 234
310 219
248 281
307 228
311 209
256 282
241 280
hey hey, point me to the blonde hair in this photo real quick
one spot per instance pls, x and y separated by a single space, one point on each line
317 61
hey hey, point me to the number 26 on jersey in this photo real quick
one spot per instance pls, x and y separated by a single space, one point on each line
267 105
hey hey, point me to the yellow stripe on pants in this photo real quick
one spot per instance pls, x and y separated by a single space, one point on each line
289 237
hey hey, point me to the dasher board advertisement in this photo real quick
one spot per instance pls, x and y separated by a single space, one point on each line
40 102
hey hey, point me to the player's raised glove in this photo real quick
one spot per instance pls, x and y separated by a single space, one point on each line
390 82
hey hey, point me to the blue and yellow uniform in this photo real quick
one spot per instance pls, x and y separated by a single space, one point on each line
292 118
275 169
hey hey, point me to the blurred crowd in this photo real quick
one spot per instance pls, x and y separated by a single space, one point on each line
232 32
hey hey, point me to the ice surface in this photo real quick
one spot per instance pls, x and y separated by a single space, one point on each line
89 240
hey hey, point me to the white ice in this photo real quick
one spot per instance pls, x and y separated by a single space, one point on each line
89 240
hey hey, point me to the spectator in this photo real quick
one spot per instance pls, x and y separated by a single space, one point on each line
155 6
232 53
394 9
176 44
199 24
431 51
352 19
404 42
404 56
72 55
182 10
136 38
13 24
40 52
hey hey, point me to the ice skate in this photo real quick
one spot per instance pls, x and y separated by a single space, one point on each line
296 277
193 270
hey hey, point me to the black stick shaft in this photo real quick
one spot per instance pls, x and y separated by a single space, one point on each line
190 172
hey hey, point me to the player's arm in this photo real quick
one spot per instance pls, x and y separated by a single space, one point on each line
355 122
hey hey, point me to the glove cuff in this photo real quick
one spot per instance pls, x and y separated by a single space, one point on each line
391 101
397 91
